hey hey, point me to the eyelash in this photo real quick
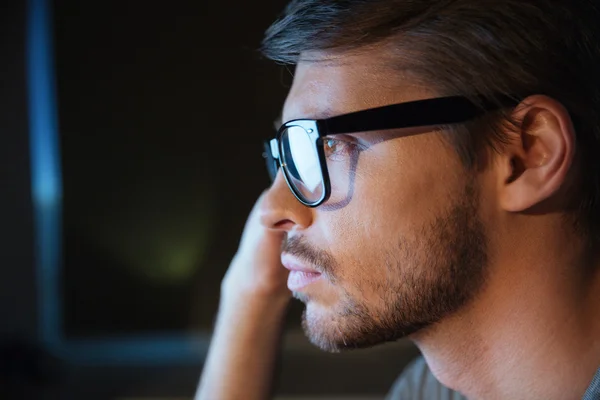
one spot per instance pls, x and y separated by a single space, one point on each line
351 146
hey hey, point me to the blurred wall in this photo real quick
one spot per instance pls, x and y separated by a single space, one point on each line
127 66
21 357
17 278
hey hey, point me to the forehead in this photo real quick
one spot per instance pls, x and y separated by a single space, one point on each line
346 83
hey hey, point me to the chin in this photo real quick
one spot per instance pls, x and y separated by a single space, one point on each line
321 325
322 332
333 331
351 326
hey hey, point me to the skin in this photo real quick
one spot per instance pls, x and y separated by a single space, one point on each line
400 279
478 268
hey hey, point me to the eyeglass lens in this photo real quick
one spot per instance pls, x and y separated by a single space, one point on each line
301 163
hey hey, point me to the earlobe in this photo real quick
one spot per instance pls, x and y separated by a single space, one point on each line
539 158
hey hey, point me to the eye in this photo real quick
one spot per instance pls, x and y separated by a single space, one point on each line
332 145
336 148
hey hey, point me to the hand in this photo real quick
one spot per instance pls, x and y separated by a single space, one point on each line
256 269
247 336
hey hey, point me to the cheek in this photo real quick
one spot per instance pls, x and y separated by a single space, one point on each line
399 188
405 183
359 243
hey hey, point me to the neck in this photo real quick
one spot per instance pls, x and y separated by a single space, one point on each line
532 332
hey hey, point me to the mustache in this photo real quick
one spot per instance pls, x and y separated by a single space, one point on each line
301 249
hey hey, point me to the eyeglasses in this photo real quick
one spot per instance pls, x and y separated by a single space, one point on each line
298 147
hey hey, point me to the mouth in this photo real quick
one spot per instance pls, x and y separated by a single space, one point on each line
301 275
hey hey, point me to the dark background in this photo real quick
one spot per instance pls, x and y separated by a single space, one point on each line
162 108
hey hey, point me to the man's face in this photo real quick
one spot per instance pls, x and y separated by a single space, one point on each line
399 243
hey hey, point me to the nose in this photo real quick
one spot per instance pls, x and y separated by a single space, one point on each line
281 210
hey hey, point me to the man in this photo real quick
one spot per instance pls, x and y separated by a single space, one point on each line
438 180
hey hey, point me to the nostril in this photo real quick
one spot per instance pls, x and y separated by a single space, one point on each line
275 220
284 224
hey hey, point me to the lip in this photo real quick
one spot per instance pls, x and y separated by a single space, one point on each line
293 264
300 275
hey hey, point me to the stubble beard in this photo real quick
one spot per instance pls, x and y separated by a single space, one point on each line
439 271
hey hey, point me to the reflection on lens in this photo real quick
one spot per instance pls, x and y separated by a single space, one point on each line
302 164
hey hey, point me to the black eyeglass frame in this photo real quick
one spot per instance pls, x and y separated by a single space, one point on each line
429 112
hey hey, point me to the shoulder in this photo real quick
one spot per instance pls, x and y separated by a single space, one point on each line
418 383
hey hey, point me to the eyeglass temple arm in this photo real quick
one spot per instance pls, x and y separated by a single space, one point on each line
271 149
430 112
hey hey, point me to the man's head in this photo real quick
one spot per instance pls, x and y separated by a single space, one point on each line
416 217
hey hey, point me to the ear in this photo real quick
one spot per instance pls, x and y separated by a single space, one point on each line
535 165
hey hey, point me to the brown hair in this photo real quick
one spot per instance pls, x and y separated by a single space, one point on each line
466 47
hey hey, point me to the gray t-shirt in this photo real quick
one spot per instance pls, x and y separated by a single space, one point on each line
593 392
418 383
